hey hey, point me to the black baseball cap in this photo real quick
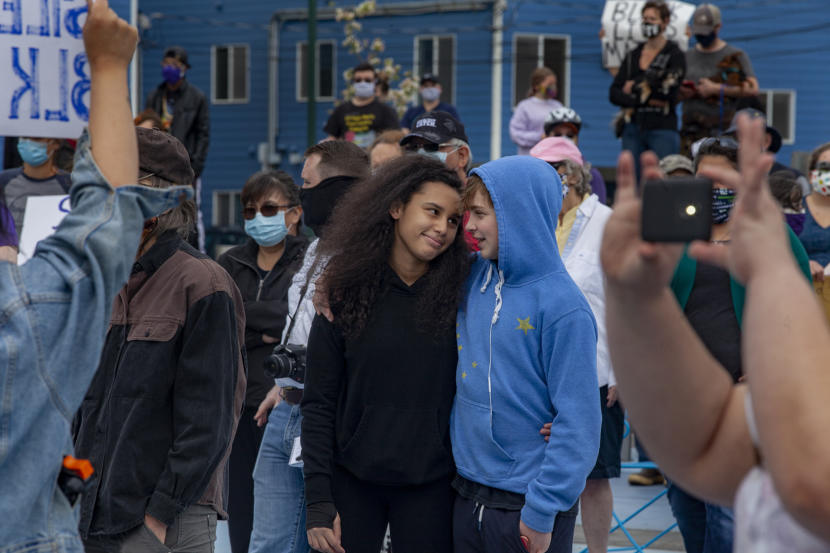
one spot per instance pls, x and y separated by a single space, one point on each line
163 155
177 53
753 113
437 127
429 78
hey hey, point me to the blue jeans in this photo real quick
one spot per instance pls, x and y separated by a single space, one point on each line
279 493
706 528
662 142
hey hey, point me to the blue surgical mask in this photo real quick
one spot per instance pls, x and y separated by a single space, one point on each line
171 74
723 200
32 152
430 93
439 155
267 231
364 90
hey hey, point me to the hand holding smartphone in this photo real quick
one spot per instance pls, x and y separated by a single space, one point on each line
677 209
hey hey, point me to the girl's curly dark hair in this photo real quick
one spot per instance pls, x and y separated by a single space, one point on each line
359 240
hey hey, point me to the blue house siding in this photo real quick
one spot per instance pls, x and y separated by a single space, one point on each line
783 56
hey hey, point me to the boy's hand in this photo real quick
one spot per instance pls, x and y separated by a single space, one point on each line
538 542
109 40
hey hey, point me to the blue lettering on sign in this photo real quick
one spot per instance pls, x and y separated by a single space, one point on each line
63 113
30 84
56 18
81 88
43 28
73 26
63 207
16 27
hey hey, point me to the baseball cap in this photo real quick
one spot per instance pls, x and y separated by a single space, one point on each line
163 155
705 19
437 127
675 162
178 53
555 149
753 113
429 77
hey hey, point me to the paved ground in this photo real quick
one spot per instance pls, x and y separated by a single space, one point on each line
627 499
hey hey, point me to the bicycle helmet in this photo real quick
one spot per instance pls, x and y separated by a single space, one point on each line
560 116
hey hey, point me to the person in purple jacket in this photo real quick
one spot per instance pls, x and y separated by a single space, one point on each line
528 121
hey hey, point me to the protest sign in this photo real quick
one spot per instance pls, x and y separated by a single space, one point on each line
621 23
46 89
43 214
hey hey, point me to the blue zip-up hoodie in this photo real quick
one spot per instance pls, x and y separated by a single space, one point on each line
527 345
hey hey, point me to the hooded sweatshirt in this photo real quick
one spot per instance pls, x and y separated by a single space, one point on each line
527 343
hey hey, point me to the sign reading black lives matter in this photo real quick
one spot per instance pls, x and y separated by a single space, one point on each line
622 23
45 89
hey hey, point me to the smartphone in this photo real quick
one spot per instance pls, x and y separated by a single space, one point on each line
677 209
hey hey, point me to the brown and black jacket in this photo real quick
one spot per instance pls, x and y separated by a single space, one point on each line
158 420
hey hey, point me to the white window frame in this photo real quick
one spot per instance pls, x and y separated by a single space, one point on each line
236 199
767 94
417 72
298 71
231 69
540 62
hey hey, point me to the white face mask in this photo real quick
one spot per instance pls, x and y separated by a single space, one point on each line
364 90
431 94
820 181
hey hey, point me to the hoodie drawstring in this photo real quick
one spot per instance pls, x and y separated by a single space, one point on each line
480 508
493 321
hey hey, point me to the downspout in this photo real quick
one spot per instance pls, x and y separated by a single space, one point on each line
273 91
496 85
134 92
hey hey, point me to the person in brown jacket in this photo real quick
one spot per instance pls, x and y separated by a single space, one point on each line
159 418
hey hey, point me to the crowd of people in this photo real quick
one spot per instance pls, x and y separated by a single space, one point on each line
410 346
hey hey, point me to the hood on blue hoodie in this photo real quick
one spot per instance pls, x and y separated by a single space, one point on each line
524 256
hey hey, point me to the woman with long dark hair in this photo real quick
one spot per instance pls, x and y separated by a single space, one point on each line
381 378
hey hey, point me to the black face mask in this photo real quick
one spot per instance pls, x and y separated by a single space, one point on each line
706 40
319 202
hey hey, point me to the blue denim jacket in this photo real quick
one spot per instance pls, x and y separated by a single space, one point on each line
54 312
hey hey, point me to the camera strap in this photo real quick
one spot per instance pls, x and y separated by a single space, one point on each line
311 274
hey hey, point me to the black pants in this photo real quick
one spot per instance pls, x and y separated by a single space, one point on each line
497 530
241 481
419 517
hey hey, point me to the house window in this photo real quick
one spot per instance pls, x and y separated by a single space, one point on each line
227 208
326 80
532 51
230 74
780 110
436 55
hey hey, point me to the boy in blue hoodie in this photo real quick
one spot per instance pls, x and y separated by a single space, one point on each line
526 355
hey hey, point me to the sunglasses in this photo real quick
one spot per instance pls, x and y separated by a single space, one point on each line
822 166
364 80
268 210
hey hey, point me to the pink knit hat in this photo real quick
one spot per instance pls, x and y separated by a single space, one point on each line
556 148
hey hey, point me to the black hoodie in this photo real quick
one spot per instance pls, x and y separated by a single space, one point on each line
379 405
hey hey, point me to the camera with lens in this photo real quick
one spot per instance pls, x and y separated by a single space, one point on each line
287 361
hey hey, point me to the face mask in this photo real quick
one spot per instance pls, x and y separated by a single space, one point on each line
706 40
319 202
364 90
723 200
172 74
550 92
820 181
651 30
430 94
267 231
32 152
439 155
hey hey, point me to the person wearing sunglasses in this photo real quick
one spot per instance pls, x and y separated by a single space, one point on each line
713 304
363 117
263 269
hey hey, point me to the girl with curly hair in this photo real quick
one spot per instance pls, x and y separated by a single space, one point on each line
381 378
